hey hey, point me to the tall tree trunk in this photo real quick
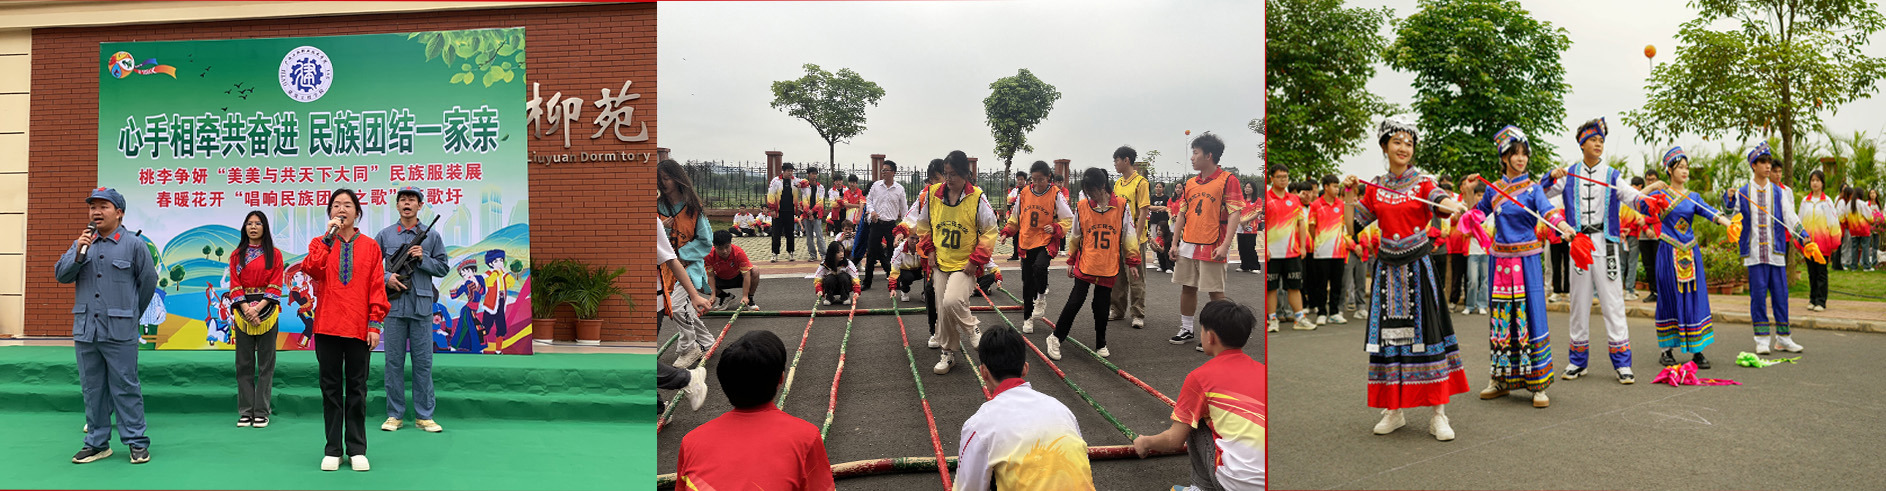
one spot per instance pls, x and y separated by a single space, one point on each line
831 154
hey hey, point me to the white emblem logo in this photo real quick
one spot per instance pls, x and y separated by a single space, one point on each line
306 74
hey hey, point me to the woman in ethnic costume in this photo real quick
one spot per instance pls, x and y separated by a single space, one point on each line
1520 341
1683 318
1413 357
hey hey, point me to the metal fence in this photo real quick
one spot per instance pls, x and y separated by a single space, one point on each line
742 184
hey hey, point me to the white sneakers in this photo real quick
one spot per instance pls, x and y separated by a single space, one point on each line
1273 325
943 365
1103 352
1338 319
1539 400
391 424
904 297
1138 322
689 356
934 344
1782 342
975 337
330 463
697 388
1322 320
1554 298
1483 311
1761 345
1054 348
360 463
1303 324
1438 426
1041 308
1028 326
1391 421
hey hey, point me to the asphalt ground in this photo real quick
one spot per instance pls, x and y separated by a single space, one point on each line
1810 425
879 414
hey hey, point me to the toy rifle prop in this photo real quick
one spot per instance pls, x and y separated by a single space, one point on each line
404 263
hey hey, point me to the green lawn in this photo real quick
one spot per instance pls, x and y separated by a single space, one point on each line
1844 285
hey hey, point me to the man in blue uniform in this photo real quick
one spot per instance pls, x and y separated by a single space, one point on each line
114 279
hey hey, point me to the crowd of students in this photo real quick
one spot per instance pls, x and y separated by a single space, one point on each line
946 238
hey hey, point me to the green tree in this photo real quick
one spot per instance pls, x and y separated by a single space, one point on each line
1319 57
1782 64
1480 65
176 276
219 253
833 103
1014 106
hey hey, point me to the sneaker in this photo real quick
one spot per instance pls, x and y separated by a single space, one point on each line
330 463
943 365
1182 337
1572 372
1103 352
697 388
1028 326
391 424
1630 296
140 455
975 337
1054 348
1041 308
244 422
1652 298
1391 420
1553 298
1438 426
1761 345
359 463
1625 377
1539 400
828 302
1483 311
905 297
775 259
1322 320
688 357
1303 324
1784 343
260 422
1116 316
1273 325
753 307
89 454
1139 322
934 343
1199 348
1493 391
433 426
1338 319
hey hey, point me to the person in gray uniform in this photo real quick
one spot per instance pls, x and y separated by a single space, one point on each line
114 278
409 320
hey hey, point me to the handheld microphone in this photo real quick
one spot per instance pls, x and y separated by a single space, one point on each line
92 230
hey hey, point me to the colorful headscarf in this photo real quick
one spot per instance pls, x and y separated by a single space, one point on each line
1592 128
1391 126
1673 156
1761 150
1507 137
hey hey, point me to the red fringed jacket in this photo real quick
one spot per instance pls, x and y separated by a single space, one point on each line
350 280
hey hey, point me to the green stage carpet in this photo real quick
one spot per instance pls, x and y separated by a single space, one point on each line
547 421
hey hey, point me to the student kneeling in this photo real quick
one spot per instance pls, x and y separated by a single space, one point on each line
1020 439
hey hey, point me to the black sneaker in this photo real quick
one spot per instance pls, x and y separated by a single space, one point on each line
1182 337
1701 363
1573 372
140 455
260 421
244 422
89 454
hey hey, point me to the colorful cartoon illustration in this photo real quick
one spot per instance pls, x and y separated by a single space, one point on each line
301 291
497 288
441 328
469 335
215 315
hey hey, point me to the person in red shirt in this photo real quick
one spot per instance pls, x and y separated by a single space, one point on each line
1225 401
350 280
255 290
730 268
754 446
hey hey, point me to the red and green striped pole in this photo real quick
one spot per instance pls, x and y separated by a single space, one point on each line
793 369
928 417
831 402
1057 371
879 311
1116 369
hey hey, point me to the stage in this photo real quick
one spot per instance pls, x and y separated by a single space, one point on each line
544 421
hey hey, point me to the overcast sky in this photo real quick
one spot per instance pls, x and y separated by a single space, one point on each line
1129 72
1607 73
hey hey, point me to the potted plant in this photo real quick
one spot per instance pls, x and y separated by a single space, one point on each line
546 280
584 289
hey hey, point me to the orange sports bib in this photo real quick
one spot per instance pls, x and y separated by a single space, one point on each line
1100 238
1037 209
1205 210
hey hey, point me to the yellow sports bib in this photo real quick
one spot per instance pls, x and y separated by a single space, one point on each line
953 228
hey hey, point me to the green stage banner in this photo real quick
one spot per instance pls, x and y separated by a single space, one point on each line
196 134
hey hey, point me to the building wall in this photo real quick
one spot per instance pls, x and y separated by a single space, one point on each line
576 50
15 79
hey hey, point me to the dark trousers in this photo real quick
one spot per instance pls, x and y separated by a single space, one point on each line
929 303
1165 257
907 277
876 252
782 230
1034 278
1248 260
1322 291
255 372
1816 283
1561 268
1647 249
837 287
671 378
1457 276
1103 300
343 360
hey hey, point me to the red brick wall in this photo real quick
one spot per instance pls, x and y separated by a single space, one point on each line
576 50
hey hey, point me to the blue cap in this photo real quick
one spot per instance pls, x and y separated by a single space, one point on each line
416 192
107 194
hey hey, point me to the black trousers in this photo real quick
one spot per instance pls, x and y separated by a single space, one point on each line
837 287
1103 300
1817 283
1165 257
1034 278
1647 251
1561 268
1248 260
907 277
1457 276
876 250
343 359
1322 290
929 303
782 229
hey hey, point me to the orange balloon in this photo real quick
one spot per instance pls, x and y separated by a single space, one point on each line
1650 51
1188 132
